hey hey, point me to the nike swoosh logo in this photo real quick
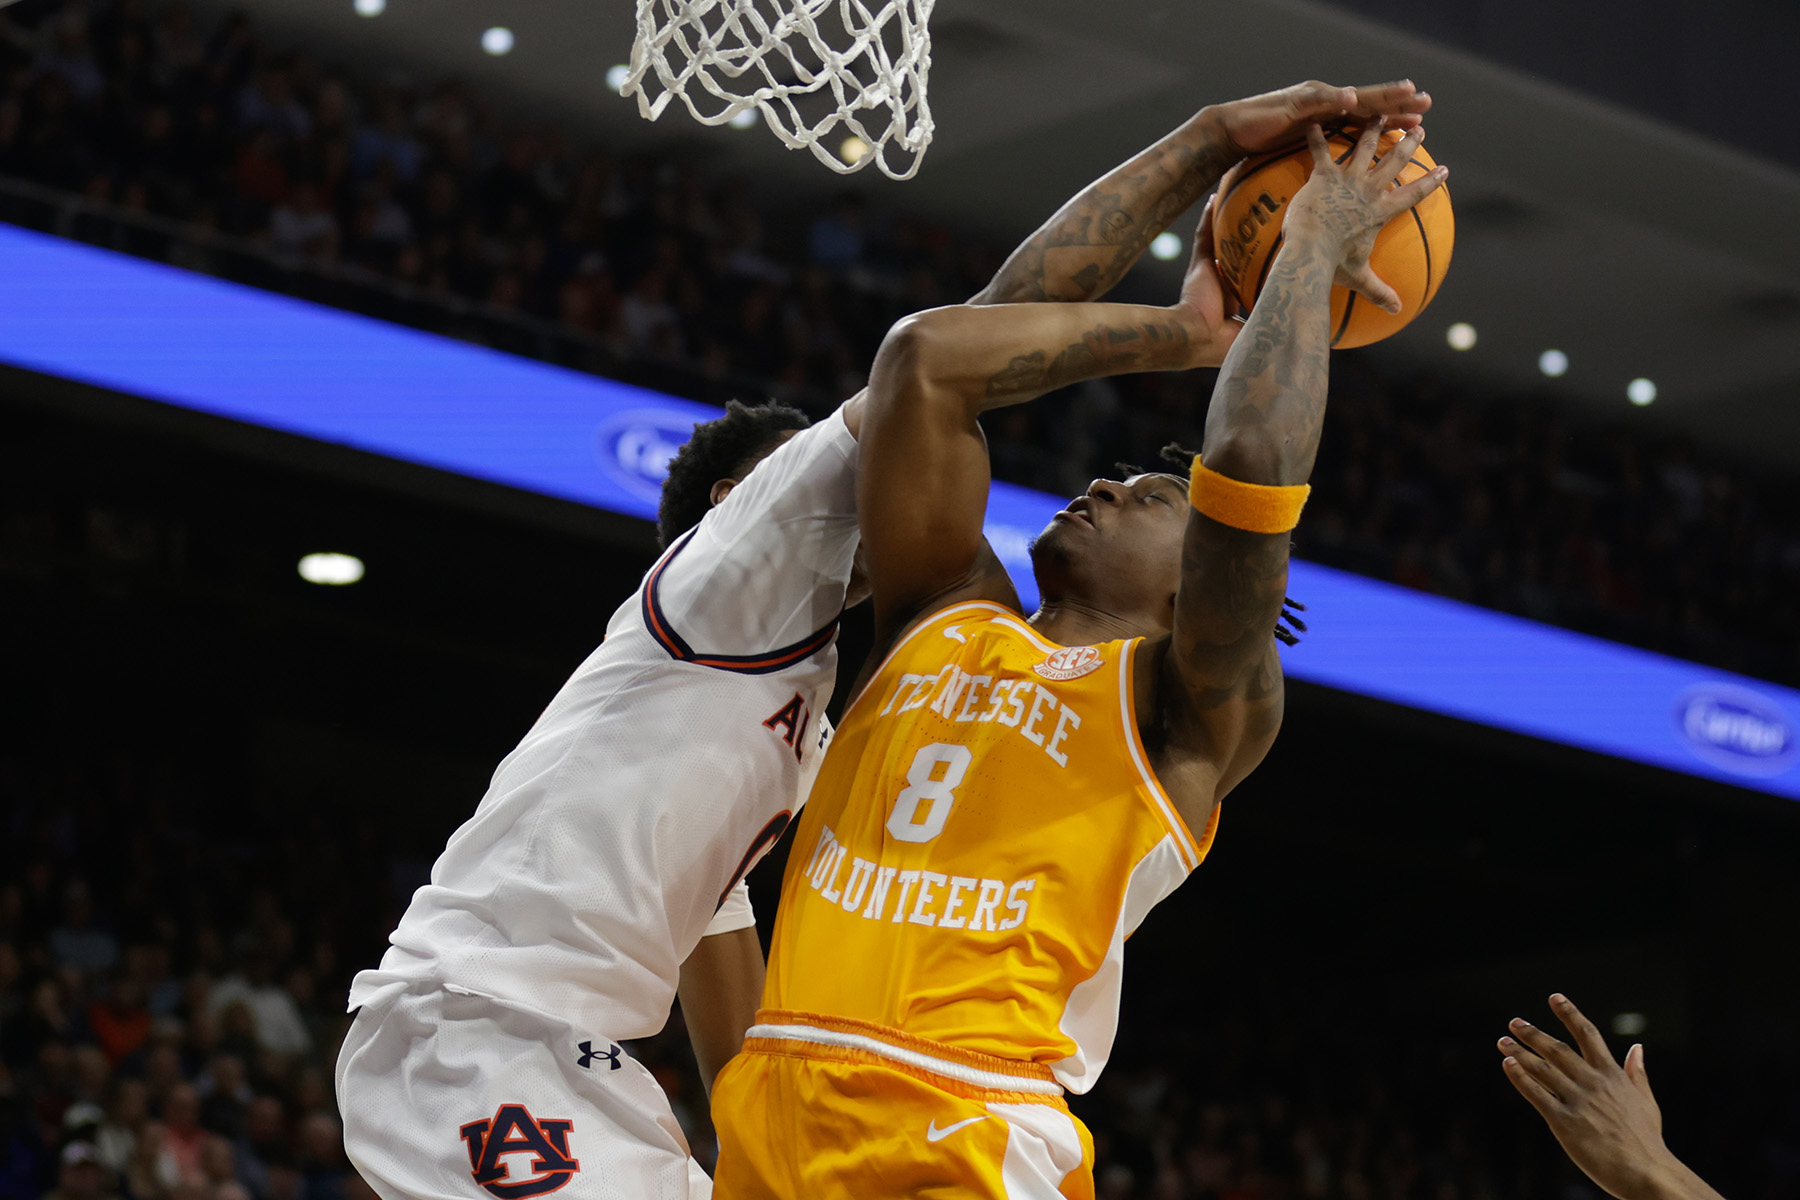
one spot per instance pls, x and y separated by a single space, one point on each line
953 631
934 1134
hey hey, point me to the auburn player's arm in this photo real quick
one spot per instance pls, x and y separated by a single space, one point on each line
1211 706
721 984
1086 248
923 484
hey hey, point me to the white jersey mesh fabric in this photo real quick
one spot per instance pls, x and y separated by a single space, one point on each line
784 58
665 766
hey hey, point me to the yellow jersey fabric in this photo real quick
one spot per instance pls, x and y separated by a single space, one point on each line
984 834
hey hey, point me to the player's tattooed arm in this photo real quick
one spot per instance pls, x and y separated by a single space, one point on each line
923 482
1086 248
1219 686
1157 343
1093 240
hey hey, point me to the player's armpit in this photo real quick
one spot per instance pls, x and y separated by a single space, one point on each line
721 985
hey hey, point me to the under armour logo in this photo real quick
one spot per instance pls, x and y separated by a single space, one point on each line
513 1130
589 1054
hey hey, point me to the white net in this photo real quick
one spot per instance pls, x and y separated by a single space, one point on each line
819 71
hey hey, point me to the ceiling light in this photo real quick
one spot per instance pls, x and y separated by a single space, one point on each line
1630 1024
745 119
853 150
1461 336
616 77
333 570
1553 363
498 40
1640 392
370 8
1166 246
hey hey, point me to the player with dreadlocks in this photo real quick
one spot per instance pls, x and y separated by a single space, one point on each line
602 873
1289 626
1009 796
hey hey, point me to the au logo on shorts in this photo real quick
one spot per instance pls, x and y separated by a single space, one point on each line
513 1130
1071 662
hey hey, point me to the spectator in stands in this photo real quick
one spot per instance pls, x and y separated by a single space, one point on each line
323 1169
837 240
127 1111
300 224
82 1176
119 1020
153 1171
264 1146
77 943
225 1096
185 1137
278 1026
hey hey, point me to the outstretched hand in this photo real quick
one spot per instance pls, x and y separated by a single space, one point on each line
1274 119
1208 302
1604 1115
1348 203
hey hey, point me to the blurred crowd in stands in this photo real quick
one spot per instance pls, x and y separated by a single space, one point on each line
423 204
171 984
173 963
172 994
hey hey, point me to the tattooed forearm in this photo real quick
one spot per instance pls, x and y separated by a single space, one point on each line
1269 408
1087 247
1263 427
1102 350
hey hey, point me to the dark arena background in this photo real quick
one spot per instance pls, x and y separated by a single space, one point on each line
220 783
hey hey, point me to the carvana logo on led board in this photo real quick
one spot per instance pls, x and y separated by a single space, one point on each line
635 448
1737 729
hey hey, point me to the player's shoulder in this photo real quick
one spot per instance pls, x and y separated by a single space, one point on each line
821 447
810 478
962 621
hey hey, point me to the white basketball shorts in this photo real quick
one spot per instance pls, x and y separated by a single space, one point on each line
452 1096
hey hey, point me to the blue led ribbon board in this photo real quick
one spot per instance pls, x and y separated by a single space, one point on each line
170 335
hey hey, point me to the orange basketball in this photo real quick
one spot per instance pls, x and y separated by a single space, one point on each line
1411 253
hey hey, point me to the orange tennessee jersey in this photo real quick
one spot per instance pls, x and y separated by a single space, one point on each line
982 837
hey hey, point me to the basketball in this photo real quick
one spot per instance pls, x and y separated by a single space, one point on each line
1411 254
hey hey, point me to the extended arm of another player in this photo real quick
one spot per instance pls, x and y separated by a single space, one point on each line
1605 1116
1220 684
923 484
1086 248
721 985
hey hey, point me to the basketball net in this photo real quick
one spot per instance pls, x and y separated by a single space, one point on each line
773 55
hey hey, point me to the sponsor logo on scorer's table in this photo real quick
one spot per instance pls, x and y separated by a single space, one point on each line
1071 662
635 448
1737 729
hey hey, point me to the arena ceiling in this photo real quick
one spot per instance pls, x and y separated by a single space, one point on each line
1637 247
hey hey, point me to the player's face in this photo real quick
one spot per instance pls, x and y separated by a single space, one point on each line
1117 546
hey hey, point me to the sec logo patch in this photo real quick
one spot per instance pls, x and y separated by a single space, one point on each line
1071 662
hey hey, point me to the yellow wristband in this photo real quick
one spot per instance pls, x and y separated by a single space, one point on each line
1252 507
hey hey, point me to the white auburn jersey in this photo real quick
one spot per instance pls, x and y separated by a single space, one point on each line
663 770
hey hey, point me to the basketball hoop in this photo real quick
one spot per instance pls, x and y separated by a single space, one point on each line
812 67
